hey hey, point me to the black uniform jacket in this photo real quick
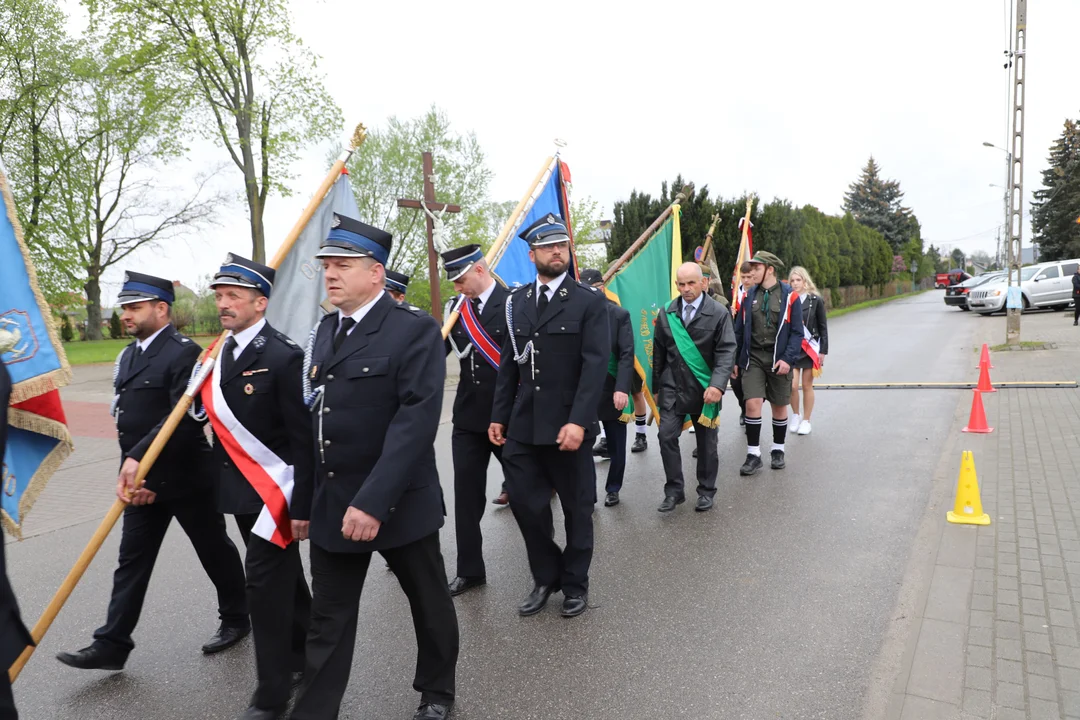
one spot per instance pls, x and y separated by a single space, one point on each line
622 347
815 321
476 388
713 334
264 392
148 389
563 381
379 416
14 636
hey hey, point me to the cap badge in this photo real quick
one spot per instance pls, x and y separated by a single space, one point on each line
335 222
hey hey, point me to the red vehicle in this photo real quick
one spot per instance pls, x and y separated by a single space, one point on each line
945 279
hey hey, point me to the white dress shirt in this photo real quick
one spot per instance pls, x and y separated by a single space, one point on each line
244 337
552 286
696 305
484 297
359 313
144 344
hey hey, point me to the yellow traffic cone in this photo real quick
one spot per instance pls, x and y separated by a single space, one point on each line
968 509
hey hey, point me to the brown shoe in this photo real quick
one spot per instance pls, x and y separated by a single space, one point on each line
503 499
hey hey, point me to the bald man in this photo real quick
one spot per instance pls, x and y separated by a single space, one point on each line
693 356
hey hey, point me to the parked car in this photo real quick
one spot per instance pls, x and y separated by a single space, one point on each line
957 295
1043 285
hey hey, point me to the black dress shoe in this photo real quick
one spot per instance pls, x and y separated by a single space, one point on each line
297 678
94 657
752 465
432 711
703 504
694 454
601 448
742 420
641 443
502 500
225 638
574 605
535 601
257 713
611 499
778 460
670 501
460 584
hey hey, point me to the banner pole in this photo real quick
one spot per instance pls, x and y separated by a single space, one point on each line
649 231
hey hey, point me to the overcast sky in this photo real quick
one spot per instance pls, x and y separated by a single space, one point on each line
784 98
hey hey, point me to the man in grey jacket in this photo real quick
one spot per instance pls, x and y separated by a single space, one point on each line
693 356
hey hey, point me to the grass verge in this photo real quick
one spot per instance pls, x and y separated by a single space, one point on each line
837 312
90 352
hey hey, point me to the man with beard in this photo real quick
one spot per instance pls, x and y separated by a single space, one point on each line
150 377
551 375
255 403
476 339
693 354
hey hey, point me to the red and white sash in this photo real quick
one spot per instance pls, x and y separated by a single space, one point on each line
266 472
811 347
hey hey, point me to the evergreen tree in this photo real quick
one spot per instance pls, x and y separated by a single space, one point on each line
1056 206
877 204
115 331
630 218
67 333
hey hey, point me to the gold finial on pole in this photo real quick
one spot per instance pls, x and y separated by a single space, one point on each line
358 137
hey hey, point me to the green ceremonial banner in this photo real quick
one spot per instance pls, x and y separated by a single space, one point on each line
644 286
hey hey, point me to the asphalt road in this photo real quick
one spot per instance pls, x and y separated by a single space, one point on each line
773 605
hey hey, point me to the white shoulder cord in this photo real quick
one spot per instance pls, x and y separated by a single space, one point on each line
461 354
527 354
313 398
196 410
115 376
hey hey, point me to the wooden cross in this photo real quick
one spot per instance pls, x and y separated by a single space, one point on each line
432 206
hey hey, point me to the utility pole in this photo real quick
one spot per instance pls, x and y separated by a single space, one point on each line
1015 229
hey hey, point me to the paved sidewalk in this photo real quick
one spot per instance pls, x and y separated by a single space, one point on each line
993 611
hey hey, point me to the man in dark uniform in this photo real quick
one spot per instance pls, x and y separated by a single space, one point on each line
151 375
613 412
380 367
693 354
397 284
476 339
551 376
14 637
263 441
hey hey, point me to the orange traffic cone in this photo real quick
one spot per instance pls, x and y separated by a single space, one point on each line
984 358
984 380
968 509
977 421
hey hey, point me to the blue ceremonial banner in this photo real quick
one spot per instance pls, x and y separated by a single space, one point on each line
514 267
38 437
298 290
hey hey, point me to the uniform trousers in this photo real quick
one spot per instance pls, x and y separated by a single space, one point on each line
615 431
532 472
7 700
337 580
708 459
140 540
472 453
280 605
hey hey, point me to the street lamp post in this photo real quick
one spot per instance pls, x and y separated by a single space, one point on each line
1012 260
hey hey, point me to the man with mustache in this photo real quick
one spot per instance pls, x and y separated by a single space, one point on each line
547 395
150 377
263 443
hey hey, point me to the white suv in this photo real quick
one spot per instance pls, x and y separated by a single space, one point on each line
1043 285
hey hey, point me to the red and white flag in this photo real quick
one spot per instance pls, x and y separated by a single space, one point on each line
811 347
266 472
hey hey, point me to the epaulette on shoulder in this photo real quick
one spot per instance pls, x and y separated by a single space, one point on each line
587 287
285 339
520 288
411 309
180 338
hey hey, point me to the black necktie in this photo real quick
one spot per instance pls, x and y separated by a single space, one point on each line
226 356
136 353
343 332
542 301
476 305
